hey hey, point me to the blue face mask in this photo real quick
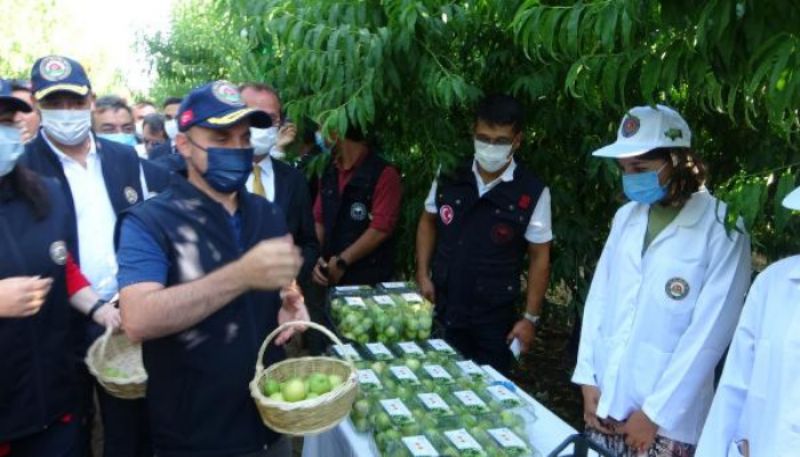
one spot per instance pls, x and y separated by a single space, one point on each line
228 168
123 138
644 187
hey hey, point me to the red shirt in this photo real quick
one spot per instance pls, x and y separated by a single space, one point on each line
75 278
385 199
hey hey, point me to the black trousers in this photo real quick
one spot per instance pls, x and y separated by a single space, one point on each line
60 439
486 344
126 428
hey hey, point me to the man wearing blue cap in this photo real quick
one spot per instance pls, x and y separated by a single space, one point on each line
100 179
206 272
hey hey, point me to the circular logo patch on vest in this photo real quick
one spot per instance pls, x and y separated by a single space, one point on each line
58 252
630 126
502 233
677 288
358 211
446 214
226 93
131 195
55 68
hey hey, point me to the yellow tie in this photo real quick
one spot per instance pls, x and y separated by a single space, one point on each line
258 186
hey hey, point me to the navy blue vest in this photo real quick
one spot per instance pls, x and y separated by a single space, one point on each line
37 373
481 246
347 217
120 166
198 379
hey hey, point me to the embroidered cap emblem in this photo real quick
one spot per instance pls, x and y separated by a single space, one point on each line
55 68
630 126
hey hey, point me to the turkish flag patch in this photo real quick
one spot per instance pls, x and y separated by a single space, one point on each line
524 201
187 117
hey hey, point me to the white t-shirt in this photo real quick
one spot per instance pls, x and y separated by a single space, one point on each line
267 178
540 229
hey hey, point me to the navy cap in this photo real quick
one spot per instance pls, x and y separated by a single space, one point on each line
6 99
217 105
58 74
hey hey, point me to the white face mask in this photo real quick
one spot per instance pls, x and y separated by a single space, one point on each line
10 148
140 129
263 140
67 126
492 157
171 127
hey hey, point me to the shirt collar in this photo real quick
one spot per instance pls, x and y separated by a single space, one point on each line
507 176
60 154
265 163
694 209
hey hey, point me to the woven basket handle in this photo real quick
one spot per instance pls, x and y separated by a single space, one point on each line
101 353
284 326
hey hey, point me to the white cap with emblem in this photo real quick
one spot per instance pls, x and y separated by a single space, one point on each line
645 128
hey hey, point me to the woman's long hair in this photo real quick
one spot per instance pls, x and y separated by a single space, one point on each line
23 183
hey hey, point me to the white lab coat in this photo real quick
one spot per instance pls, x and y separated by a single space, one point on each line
645 349
758 398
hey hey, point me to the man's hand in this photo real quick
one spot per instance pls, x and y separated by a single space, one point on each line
591 397
525 332
293 309
334 272
286 136
271 264
320 273
639 430
108 315
426 287
23 296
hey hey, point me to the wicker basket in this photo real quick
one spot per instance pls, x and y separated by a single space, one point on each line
305 417
116 353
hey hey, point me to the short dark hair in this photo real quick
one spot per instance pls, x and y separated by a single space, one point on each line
171 101
111 102
155 122
689 173
501 109
141 103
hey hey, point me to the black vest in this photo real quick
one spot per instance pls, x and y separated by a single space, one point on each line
198 379
481 246
37 373
347 216
120 166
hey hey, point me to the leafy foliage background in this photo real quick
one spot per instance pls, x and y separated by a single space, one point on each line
410 71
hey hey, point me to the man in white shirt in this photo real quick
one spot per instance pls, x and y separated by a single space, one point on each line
100 179
479 222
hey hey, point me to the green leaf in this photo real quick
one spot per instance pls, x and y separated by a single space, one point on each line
784 187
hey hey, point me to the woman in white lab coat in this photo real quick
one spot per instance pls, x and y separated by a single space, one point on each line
756 410
665 297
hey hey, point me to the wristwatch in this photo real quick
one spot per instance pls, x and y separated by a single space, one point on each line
98 304
532 318
341 263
